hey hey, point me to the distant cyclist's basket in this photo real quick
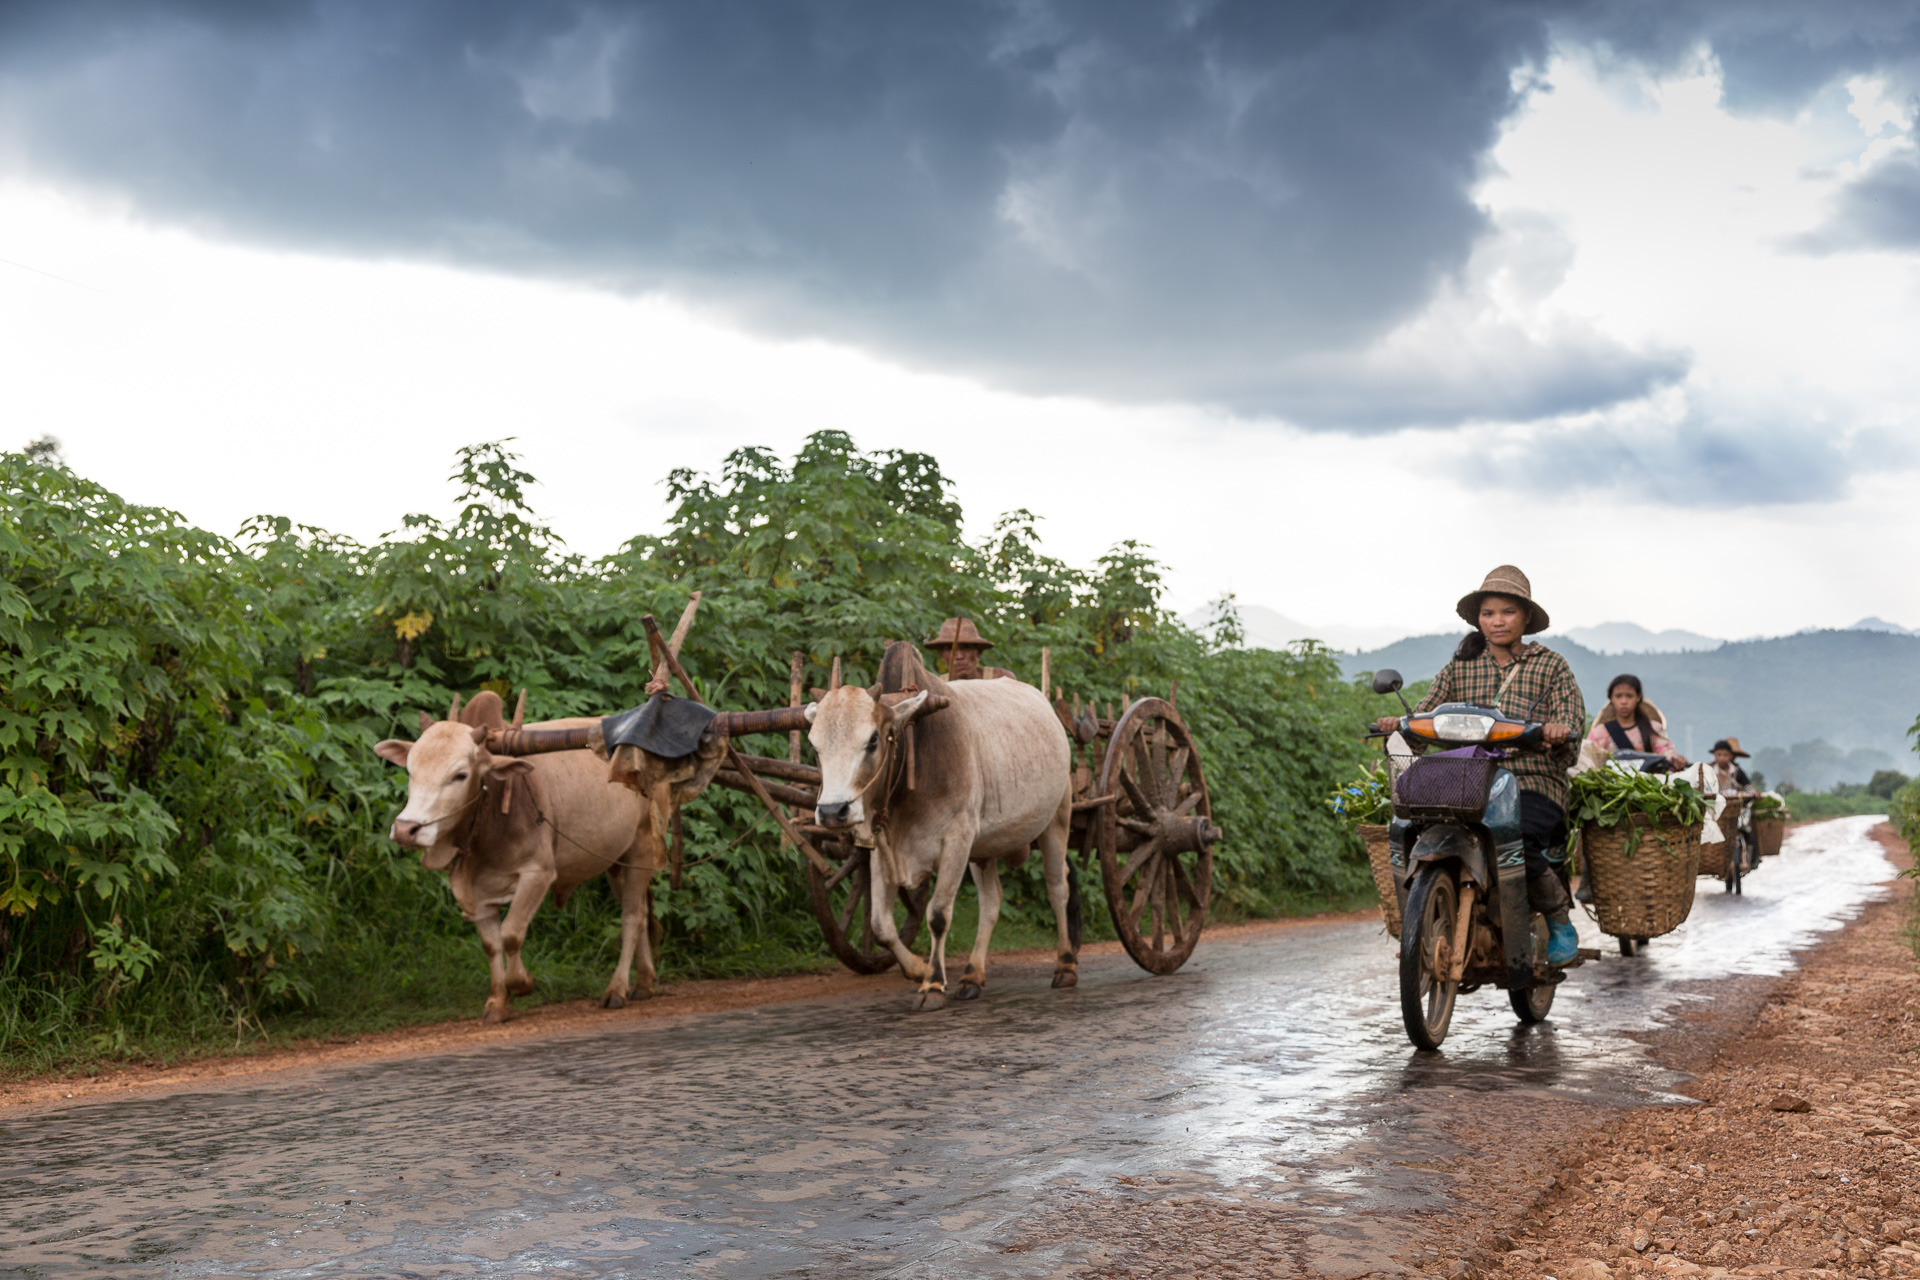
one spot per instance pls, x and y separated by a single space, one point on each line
1713 857
1649 892
1380 862
1768 833
1448 787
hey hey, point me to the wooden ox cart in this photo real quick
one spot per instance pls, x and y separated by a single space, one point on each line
1140 806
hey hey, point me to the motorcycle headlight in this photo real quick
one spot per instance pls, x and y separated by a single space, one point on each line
1458 727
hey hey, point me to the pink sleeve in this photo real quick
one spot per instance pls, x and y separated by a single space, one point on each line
1661 742
1599 736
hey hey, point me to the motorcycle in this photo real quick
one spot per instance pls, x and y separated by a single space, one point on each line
1460 870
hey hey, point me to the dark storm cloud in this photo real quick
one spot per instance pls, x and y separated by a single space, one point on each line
1133 201
1701 462
1230 201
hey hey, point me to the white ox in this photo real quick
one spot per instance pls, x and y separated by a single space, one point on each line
993 774
507 830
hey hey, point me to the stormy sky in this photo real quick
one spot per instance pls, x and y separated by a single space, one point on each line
1645 266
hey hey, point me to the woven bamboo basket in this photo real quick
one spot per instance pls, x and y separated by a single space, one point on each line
1649 893
1713 857
1768 833
1380 859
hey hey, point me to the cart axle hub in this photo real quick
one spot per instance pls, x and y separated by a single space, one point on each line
1183 834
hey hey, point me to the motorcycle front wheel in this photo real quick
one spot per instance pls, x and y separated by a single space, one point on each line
1533 1004
1426 994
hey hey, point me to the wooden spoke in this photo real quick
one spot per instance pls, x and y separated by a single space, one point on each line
1141 804
841 903
858 862
1137 859
856 902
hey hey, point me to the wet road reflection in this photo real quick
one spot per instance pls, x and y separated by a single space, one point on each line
847 1137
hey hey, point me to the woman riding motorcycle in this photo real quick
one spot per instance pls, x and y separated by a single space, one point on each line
1630 723
1494 666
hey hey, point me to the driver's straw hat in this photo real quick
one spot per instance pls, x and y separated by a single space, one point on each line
1503 581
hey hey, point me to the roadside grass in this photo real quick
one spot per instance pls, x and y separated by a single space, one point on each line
1813 805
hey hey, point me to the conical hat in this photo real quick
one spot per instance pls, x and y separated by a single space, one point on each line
1503 581
1606 715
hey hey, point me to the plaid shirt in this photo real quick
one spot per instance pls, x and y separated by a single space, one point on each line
1537 674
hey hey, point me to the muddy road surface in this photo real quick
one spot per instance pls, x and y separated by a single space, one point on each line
850 1137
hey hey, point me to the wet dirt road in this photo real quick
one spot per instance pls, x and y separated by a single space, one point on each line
850 1137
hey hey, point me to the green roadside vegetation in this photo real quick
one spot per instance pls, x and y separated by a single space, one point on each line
1849 799
193 851
1904 812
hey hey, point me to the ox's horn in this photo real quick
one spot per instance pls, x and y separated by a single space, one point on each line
453 708
520 710
834 682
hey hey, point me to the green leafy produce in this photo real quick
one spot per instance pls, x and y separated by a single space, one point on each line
1768 805
1612 795
1367 798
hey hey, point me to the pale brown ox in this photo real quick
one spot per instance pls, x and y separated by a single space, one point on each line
507 830
992 773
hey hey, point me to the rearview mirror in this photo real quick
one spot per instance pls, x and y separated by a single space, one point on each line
1387 680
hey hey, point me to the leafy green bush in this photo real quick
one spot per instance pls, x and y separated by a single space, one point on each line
194 836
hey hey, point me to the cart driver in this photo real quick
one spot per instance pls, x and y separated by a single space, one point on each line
1496 667
959 644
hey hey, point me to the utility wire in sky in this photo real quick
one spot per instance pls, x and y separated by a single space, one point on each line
49 275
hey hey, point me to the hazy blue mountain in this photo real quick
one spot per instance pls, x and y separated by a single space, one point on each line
1270 629
1881 624
1859 691
1631 637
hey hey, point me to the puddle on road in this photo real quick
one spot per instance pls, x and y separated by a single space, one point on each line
850 1137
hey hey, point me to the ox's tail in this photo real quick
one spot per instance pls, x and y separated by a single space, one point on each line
1075 913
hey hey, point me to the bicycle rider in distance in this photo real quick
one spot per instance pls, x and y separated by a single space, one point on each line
1495 666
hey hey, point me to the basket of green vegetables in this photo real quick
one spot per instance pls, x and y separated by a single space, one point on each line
1770 817
1367 804
1639 837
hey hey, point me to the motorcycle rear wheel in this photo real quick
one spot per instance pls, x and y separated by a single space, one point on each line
1533 1004
1426 997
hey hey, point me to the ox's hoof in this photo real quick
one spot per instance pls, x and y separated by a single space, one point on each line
613 1000
493 1015
520 986
1066 978
930 998
969 990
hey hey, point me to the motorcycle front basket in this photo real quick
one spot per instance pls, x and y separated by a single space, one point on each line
1445 788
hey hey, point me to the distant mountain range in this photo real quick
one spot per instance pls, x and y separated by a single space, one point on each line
1270 629
1857 691
1631 637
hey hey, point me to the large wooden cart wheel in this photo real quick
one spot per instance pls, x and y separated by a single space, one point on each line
1156 838
840 904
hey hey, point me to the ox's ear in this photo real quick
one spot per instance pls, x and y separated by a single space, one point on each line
393 751
908 708
426 722
509 766
813 711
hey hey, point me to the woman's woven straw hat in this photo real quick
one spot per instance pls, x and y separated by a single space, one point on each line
1646 704
1504 581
